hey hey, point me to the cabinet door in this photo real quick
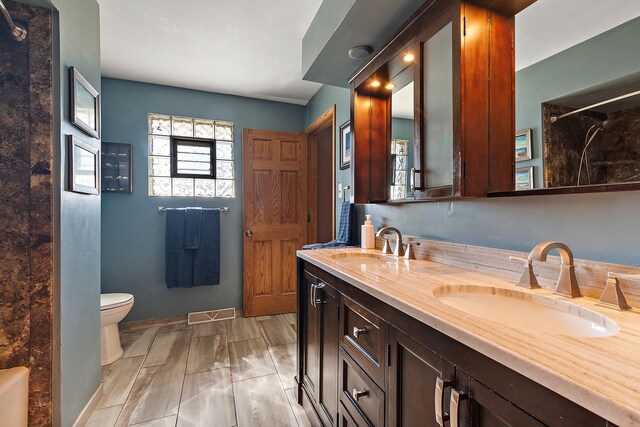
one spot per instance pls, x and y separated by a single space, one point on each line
437 104
479 406
327 303
311 328
413 375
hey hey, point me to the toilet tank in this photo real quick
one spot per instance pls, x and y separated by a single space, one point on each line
14 397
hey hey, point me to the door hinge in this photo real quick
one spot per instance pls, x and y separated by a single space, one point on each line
308 218
388 354
464 25
338 313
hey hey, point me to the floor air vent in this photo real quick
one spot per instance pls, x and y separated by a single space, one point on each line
211 315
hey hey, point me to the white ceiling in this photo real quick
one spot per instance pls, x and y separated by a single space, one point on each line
550 26
242 47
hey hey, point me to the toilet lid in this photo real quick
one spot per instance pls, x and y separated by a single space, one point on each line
108 301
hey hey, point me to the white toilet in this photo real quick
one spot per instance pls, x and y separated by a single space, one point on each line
113 308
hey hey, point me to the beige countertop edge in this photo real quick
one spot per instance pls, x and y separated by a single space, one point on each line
612 410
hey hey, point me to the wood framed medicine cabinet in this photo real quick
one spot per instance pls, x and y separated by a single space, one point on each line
464 104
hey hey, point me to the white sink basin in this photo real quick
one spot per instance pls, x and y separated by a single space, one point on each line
366 258
524 310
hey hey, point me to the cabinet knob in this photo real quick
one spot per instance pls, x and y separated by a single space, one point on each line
359 331
454 407
357 394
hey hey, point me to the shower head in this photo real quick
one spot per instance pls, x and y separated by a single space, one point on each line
15 31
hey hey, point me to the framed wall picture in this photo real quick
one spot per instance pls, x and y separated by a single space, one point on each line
85 104
523 145
84 166
524 178
345 145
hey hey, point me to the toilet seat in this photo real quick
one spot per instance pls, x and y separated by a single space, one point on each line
110 301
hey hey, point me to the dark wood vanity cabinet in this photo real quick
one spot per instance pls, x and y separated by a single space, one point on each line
364 363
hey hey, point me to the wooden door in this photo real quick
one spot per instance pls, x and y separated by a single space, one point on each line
274 176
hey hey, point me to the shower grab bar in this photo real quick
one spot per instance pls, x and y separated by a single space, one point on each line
224 209
17 32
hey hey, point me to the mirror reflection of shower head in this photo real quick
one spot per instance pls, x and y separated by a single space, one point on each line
15 31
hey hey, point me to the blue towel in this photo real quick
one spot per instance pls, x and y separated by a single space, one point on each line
192 228
344 230
192 267
206 261
346 217
179 261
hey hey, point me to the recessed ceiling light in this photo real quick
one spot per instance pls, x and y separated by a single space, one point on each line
360 52
375 83
389 86
408 57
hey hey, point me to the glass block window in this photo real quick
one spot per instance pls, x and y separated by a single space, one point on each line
399 155
201 169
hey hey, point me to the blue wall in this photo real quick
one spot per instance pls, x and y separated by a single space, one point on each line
133 230
77 224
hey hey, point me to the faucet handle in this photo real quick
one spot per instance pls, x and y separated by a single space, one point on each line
386 248
528 279
410 253
612 296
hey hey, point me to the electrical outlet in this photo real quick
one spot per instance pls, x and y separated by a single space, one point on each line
340 194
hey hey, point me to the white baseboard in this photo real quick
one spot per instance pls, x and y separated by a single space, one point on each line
88 409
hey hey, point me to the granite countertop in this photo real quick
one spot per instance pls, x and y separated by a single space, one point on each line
601 374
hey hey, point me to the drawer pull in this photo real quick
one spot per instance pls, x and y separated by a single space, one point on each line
454 406
359 331
441 416
312 296
357 394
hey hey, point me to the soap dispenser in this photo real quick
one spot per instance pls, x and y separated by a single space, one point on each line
367 234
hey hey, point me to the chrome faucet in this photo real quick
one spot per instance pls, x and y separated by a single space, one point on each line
567 283
386 249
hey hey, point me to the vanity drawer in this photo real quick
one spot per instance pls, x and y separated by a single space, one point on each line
364 336
360 395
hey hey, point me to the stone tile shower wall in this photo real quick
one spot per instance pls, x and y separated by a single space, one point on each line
26 200
613 155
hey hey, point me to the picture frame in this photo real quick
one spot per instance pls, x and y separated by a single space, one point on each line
524 178
85 104
84 166
346 141
523 145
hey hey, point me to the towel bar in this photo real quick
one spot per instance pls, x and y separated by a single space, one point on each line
224 209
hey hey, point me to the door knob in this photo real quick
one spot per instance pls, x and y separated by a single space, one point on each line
248 233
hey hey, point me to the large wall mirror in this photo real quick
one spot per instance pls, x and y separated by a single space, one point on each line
402 136
577 95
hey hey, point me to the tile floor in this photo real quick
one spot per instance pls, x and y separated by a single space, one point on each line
222 374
